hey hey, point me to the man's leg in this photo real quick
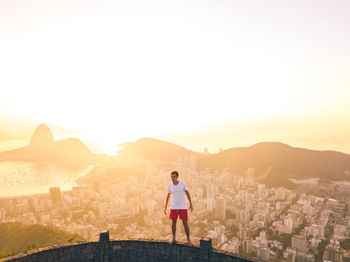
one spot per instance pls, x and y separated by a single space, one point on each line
173 216
187 230
173 228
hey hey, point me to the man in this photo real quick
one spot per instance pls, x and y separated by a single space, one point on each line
178 204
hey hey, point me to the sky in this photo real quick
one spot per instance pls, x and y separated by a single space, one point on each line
197 73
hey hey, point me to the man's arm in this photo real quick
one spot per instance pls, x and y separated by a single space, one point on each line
189 199
166 202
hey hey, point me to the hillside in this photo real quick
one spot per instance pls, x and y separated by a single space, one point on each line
284 161
17 237
148 148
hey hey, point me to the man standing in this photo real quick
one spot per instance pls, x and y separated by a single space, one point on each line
178 204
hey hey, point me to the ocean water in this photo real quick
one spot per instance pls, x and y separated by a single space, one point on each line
23 178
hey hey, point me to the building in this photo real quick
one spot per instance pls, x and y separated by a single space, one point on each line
299 243
304 257
55 194
220 208
333 253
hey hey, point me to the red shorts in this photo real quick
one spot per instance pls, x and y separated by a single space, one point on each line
182 213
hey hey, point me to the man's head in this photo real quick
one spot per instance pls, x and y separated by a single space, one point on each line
174 176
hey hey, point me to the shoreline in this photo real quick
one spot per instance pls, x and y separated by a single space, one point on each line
40 194
31 195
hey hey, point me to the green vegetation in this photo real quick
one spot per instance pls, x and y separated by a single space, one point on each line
285 210
284 239
230 214
329 230
320 248
6 254
345 244
300 227
277 180
29 248
16 238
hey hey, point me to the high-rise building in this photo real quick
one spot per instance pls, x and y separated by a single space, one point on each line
192 162
242 216
261 190
305 257
299 243
242 234
247 246
220 207
211 191
333 253
55 194
281 193
210 204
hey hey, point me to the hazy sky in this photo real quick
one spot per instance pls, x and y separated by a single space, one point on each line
235 72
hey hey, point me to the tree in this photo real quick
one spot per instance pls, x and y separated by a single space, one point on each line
345 244
320 248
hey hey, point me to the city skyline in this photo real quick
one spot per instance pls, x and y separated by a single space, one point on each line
239 214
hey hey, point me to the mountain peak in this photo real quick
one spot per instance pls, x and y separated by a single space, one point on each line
271 145
42 136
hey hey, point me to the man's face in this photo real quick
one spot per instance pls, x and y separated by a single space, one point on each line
174 178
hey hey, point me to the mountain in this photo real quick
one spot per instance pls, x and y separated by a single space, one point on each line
42 147
148 148
42 137
17 237
282 160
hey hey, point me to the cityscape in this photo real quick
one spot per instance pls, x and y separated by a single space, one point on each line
238 213
111 108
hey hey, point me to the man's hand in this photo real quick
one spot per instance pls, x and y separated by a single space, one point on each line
166 202
189 199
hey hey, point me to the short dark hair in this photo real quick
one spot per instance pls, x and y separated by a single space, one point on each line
175 173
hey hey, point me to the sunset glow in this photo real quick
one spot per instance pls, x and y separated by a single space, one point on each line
117 72
175 130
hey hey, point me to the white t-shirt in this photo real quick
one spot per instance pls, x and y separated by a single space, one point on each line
178 200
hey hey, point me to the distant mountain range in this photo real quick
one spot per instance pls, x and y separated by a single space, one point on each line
273 162
282 161
42 147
